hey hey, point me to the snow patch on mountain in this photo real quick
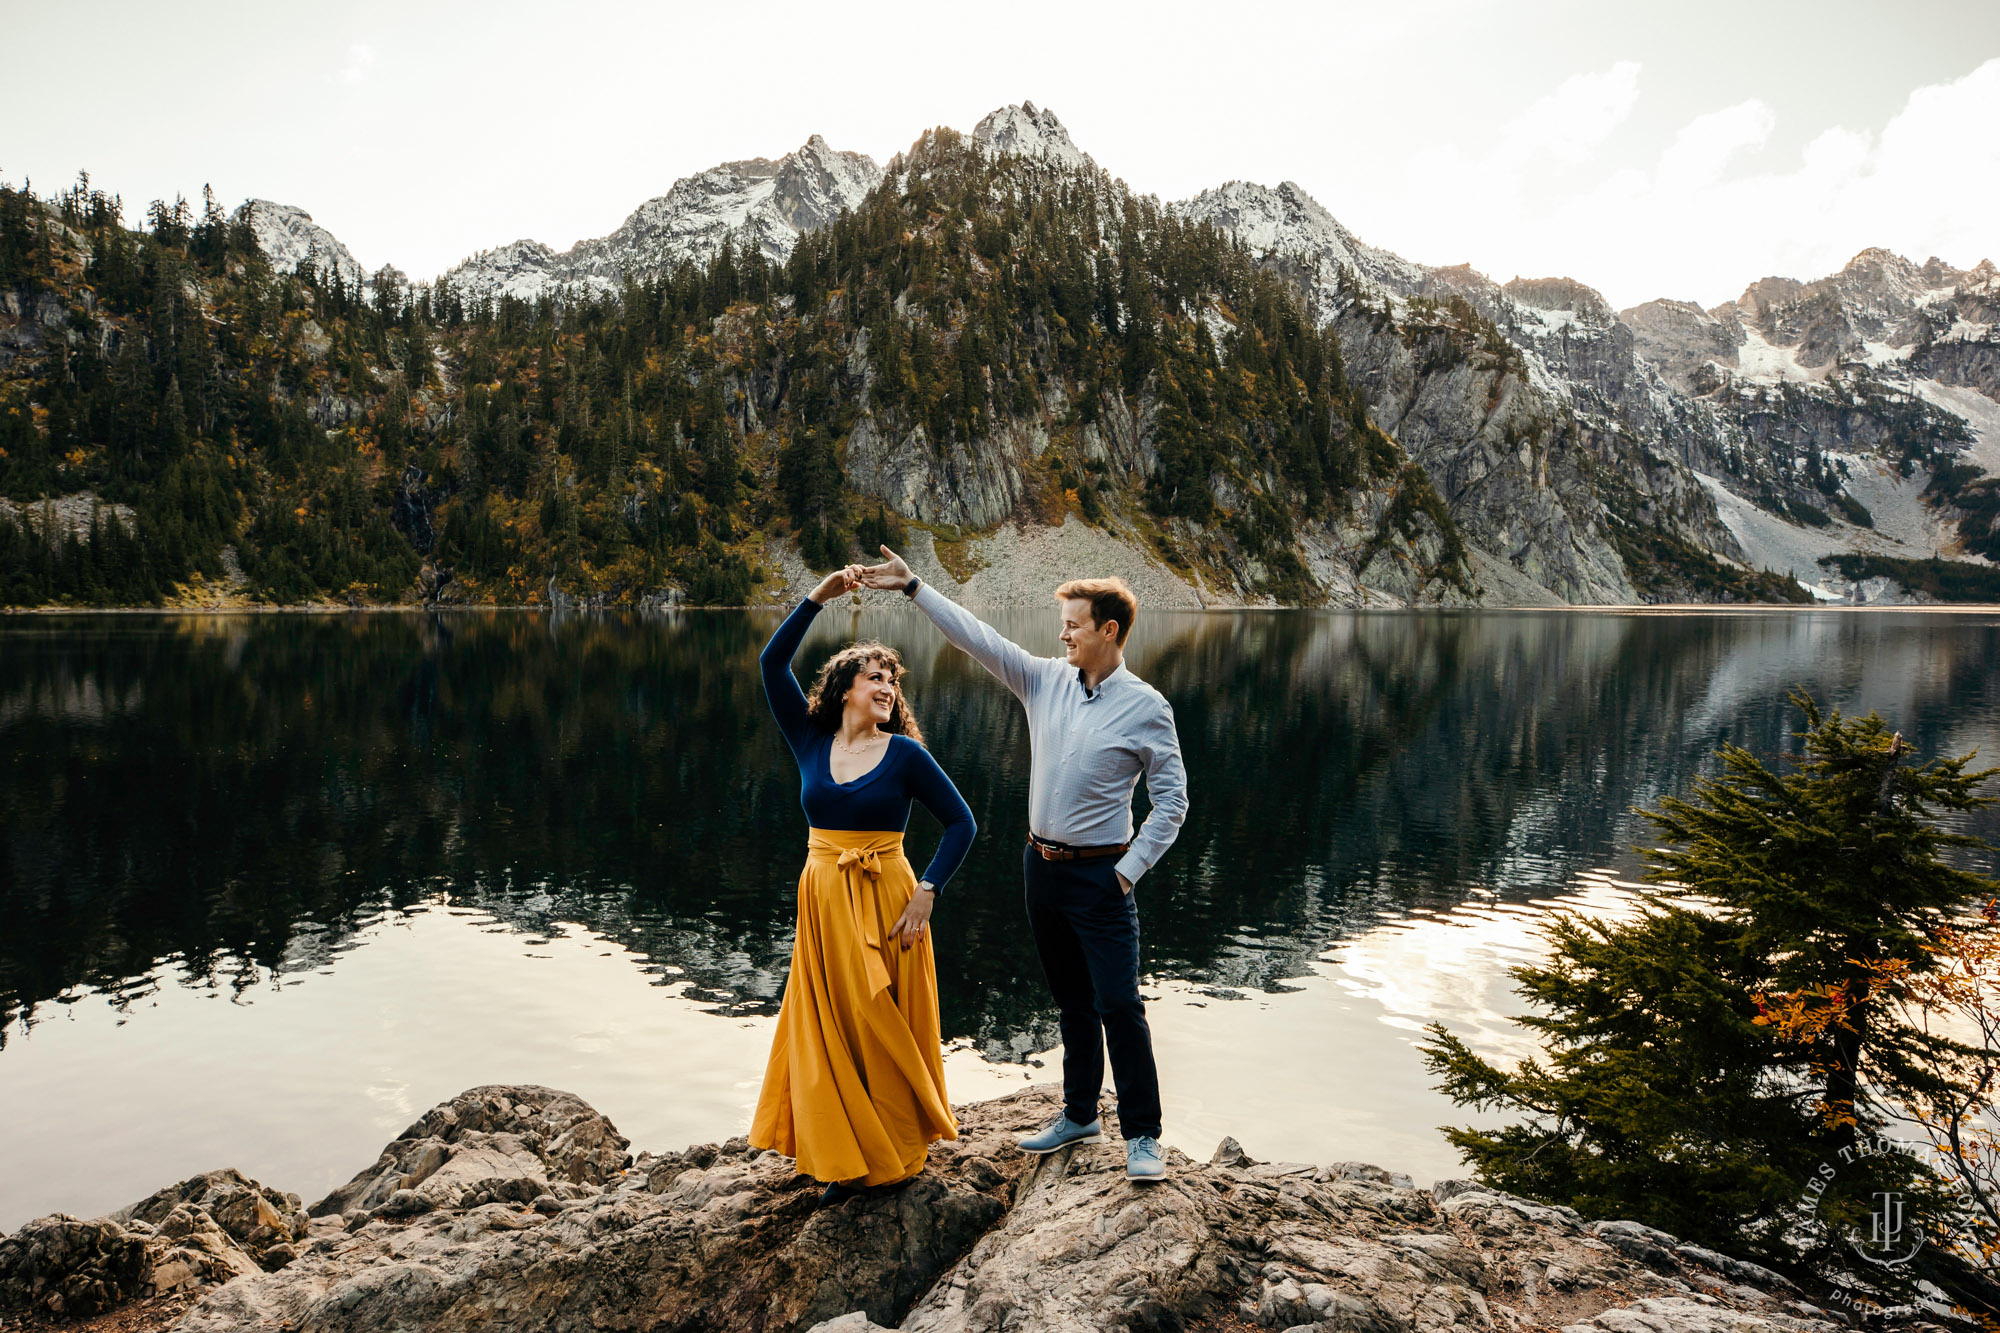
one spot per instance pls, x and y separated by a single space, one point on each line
1905 527
1760 362
1980 414
1288 224
1876 309
289 238
1026 130
757 204
1905 524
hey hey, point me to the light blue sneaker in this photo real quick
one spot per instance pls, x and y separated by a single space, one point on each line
1062 1133
1144 1159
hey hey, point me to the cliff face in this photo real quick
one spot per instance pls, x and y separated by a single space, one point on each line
291 240
1560 455
1794 400
506 1208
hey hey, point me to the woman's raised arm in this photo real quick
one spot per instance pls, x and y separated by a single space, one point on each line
781 687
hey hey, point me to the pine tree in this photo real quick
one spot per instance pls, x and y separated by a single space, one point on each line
717 442
172 428
809 481
1663 1095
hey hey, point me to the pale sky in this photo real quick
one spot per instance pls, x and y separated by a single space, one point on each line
1650 149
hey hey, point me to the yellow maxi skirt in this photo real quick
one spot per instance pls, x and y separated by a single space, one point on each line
854 1090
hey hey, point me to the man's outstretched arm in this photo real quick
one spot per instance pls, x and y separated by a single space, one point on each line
1017 668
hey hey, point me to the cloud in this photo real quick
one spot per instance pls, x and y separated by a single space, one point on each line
1701 151
1692 224
360 61
1933 179
1573 121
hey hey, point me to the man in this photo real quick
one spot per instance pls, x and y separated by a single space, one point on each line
1094 727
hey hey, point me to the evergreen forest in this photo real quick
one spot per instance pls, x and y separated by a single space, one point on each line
307 440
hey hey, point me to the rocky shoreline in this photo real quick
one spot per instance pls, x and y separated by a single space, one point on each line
1017 566
520 1208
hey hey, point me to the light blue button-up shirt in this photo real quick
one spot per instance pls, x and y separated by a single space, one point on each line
1090 746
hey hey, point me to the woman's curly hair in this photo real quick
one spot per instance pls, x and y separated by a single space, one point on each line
828 695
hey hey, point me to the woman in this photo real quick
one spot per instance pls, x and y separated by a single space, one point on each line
855 1086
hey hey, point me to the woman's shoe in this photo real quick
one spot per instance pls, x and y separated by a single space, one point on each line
836 1192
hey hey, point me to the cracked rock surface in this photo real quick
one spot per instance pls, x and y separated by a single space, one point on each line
518 1208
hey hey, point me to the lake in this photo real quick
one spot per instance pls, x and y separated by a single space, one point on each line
274 885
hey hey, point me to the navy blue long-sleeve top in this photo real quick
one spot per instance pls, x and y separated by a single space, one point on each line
879 800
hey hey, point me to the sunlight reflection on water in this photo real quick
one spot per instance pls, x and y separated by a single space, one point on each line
424 1003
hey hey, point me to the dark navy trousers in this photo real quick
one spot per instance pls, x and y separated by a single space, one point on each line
1087 933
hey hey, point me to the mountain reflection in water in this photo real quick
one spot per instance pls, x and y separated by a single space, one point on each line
237 793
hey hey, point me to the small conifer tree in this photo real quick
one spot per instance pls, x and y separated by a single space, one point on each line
1665 1097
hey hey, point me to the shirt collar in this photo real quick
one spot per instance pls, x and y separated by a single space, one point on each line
1088 693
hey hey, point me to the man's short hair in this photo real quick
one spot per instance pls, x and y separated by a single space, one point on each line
1110 599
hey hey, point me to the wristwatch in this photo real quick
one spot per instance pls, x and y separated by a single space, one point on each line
910 588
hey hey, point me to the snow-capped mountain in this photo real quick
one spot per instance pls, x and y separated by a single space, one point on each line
1287 224
757 204
1802 420
1878 311
289 237
1026 130
1866 353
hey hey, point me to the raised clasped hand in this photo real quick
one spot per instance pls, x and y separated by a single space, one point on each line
892 573
834 584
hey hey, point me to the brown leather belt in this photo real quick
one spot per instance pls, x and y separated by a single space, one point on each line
1062 851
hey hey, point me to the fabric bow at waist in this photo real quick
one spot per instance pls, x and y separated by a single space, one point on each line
857 858
870 862
845 848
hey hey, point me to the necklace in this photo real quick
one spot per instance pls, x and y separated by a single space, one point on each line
864 746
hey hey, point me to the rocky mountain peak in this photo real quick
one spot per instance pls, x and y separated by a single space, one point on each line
1938 275
1030 131
1466 281
1287 223
756 203
1884 274
288 236
521 269
1764 295
1563 296
815 183
1681 339
1267 221
1879 303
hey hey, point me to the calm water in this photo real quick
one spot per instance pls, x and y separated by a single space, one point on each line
272 886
